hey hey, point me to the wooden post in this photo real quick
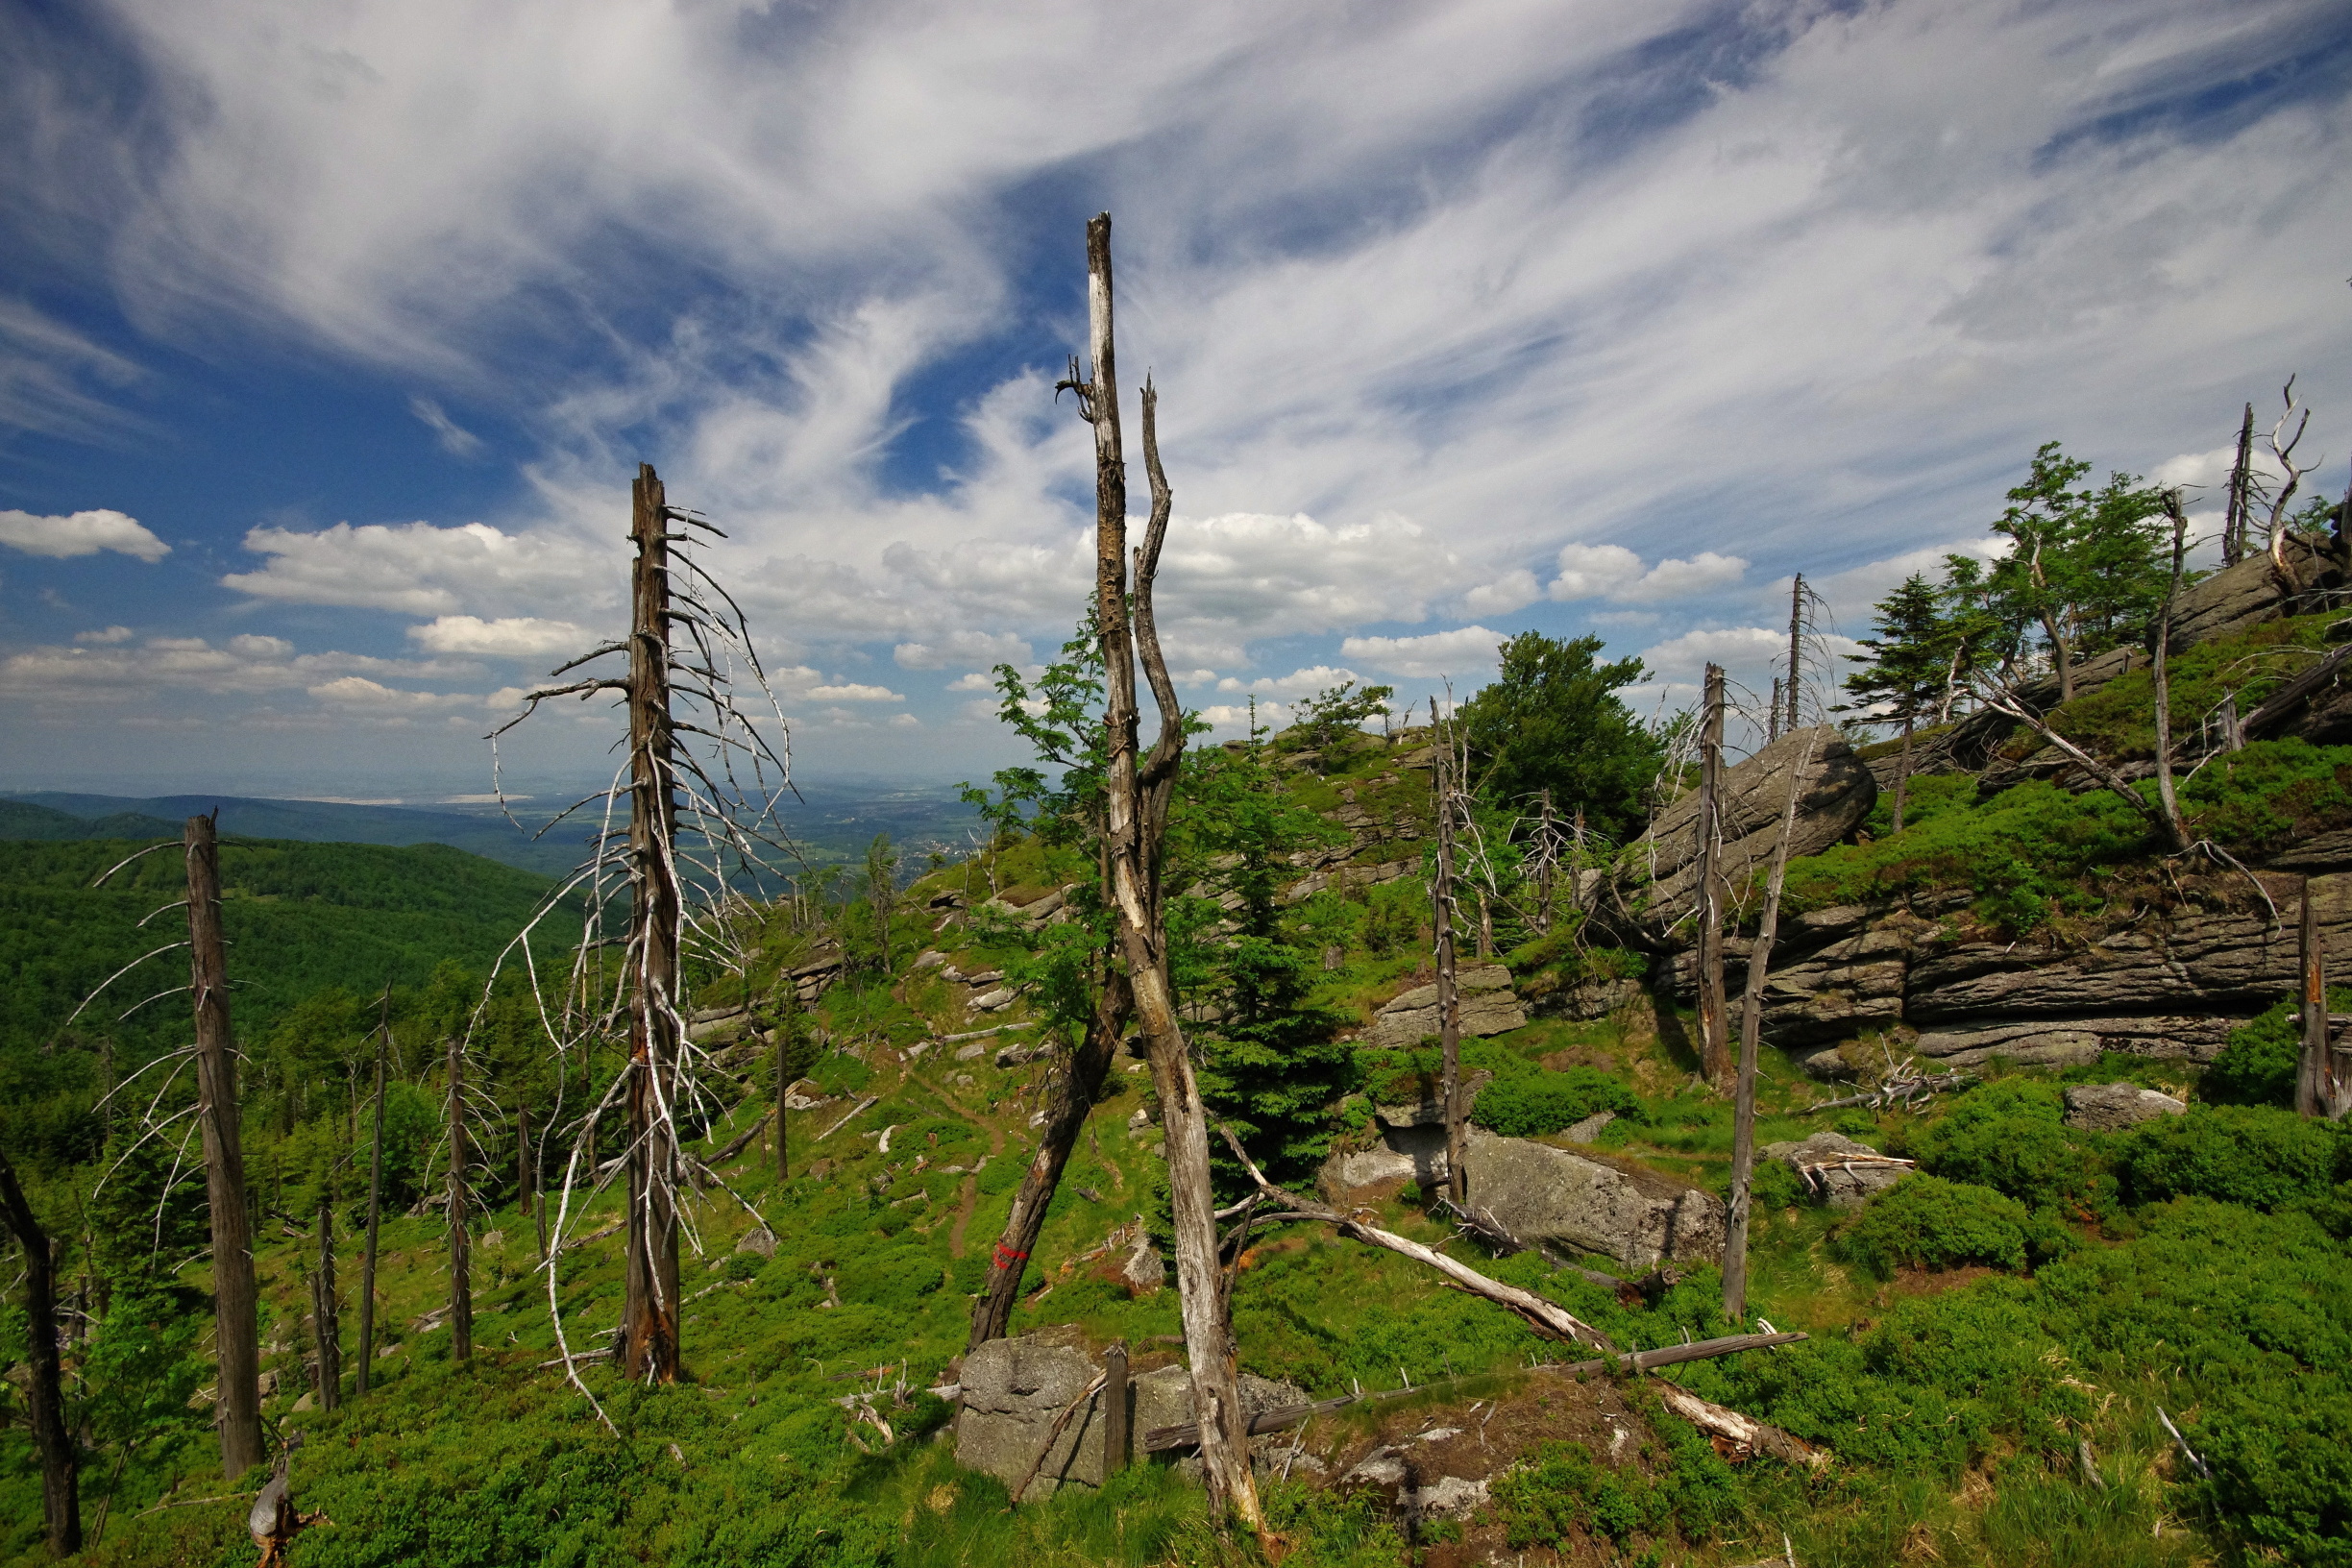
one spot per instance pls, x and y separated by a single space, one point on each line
1449 993
236 1328
650 1311
61 1495
2311 1069
327 1323
367 1255
1115 1408
1752 1030
1714 1027
1796 658
1135 826
461 1242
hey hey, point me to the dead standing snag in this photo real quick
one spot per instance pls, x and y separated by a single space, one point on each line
1135 824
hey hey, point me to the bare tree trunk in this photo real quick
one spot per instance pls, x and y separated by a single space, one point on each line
1772 715
1134 820
327 1323
1449 993
1902 771
527 1161
2240 478
61 1495
1546 868
1714 1028
650 1313
2165 796
367 1256
1752 1030
2312 1067
1074 1095
1795 657
460 1240
235 1330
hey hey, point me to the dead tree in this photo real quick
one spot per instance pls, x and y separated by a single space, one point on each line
326 1320
236 1326
1442 922
1751 1029
1796 654
2239 503
2312 1074
459 1213
1076 1089
1135 824
60 1496
1714 1031
2283 453
2167 797
375 1211
698 788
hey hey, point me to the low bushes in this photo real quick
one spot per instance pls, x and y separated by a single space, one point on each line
1546 1102
2252 1155
2012 1137
1928 1222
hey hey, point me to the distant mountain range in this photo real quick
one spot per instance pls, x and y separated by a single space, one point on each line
832 823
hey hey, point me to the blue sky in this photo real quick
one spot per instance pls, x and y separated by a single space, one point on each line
331 334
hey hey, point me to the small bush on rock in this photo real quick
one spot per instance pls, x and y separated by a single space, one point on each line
1546 1102
2252 1155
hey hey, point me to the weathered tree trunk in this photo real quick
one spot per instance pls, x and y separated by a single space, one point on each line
1902 771
1134 820
650 1313
2236 509
235 1329
526 1166
2165 796
1796 654
460 1238
1449 993
1114 1408
60 1496
1752 1030
367 1255
1074 1095
1772 715
2312 1067
1714 1027
325 1321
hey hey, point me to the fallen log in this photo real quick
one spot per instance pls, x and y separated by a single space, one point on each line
1183 1436
1744 1433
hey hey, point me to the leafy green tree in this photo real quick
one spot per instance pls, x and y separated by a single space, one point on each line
2087 567
1552 719
1334 713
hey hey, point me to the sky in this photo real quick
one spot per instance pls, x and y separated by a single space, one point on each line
330 335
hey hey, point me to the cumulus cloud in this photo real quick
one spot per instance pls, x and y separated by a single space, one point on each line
80 533
973 681
963 646
1307 682
1691 652
853 693
1467 651
1513 590
1615 573
104 636
418 569
514 637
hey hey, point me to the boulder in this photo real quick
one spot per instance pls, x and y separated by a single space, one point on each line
759 1239
1488 1006
991 1001
1567 1205
2105 1108
1589 1129
1163 1398
1011 1391
1366 1167
1844 1186
1837 794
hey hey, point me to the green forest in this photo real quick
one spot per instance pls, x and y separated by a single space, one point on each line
1525 1131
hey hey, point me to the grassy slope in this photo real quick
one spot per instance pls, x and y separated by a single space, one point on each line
1944 1395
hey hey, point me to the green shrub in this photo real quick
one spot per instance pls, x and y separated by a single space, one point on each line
1928 1222
1560 1487
2282 1473
2012 1137
1542 1103
1774 1187
2252 1155
2258 1064
894 1280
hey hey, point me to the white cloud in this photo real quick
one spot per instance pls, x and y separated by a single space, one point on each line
106 636
1513 590
905 720
991 648
1692 651
455 438
360 691
973 681
421 569
246 664
515 637
1309 682
1462 653
80 533
1615 573
853 693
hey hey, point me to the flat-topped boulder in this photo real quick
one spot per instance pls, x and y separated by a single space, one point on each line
1488 1006
2106 1107
1844 1173
1574 1205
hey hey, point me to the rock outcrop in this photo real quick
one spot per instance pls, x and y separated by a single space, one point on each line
1488 1006
2107 1108
1572 1205
1837 792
